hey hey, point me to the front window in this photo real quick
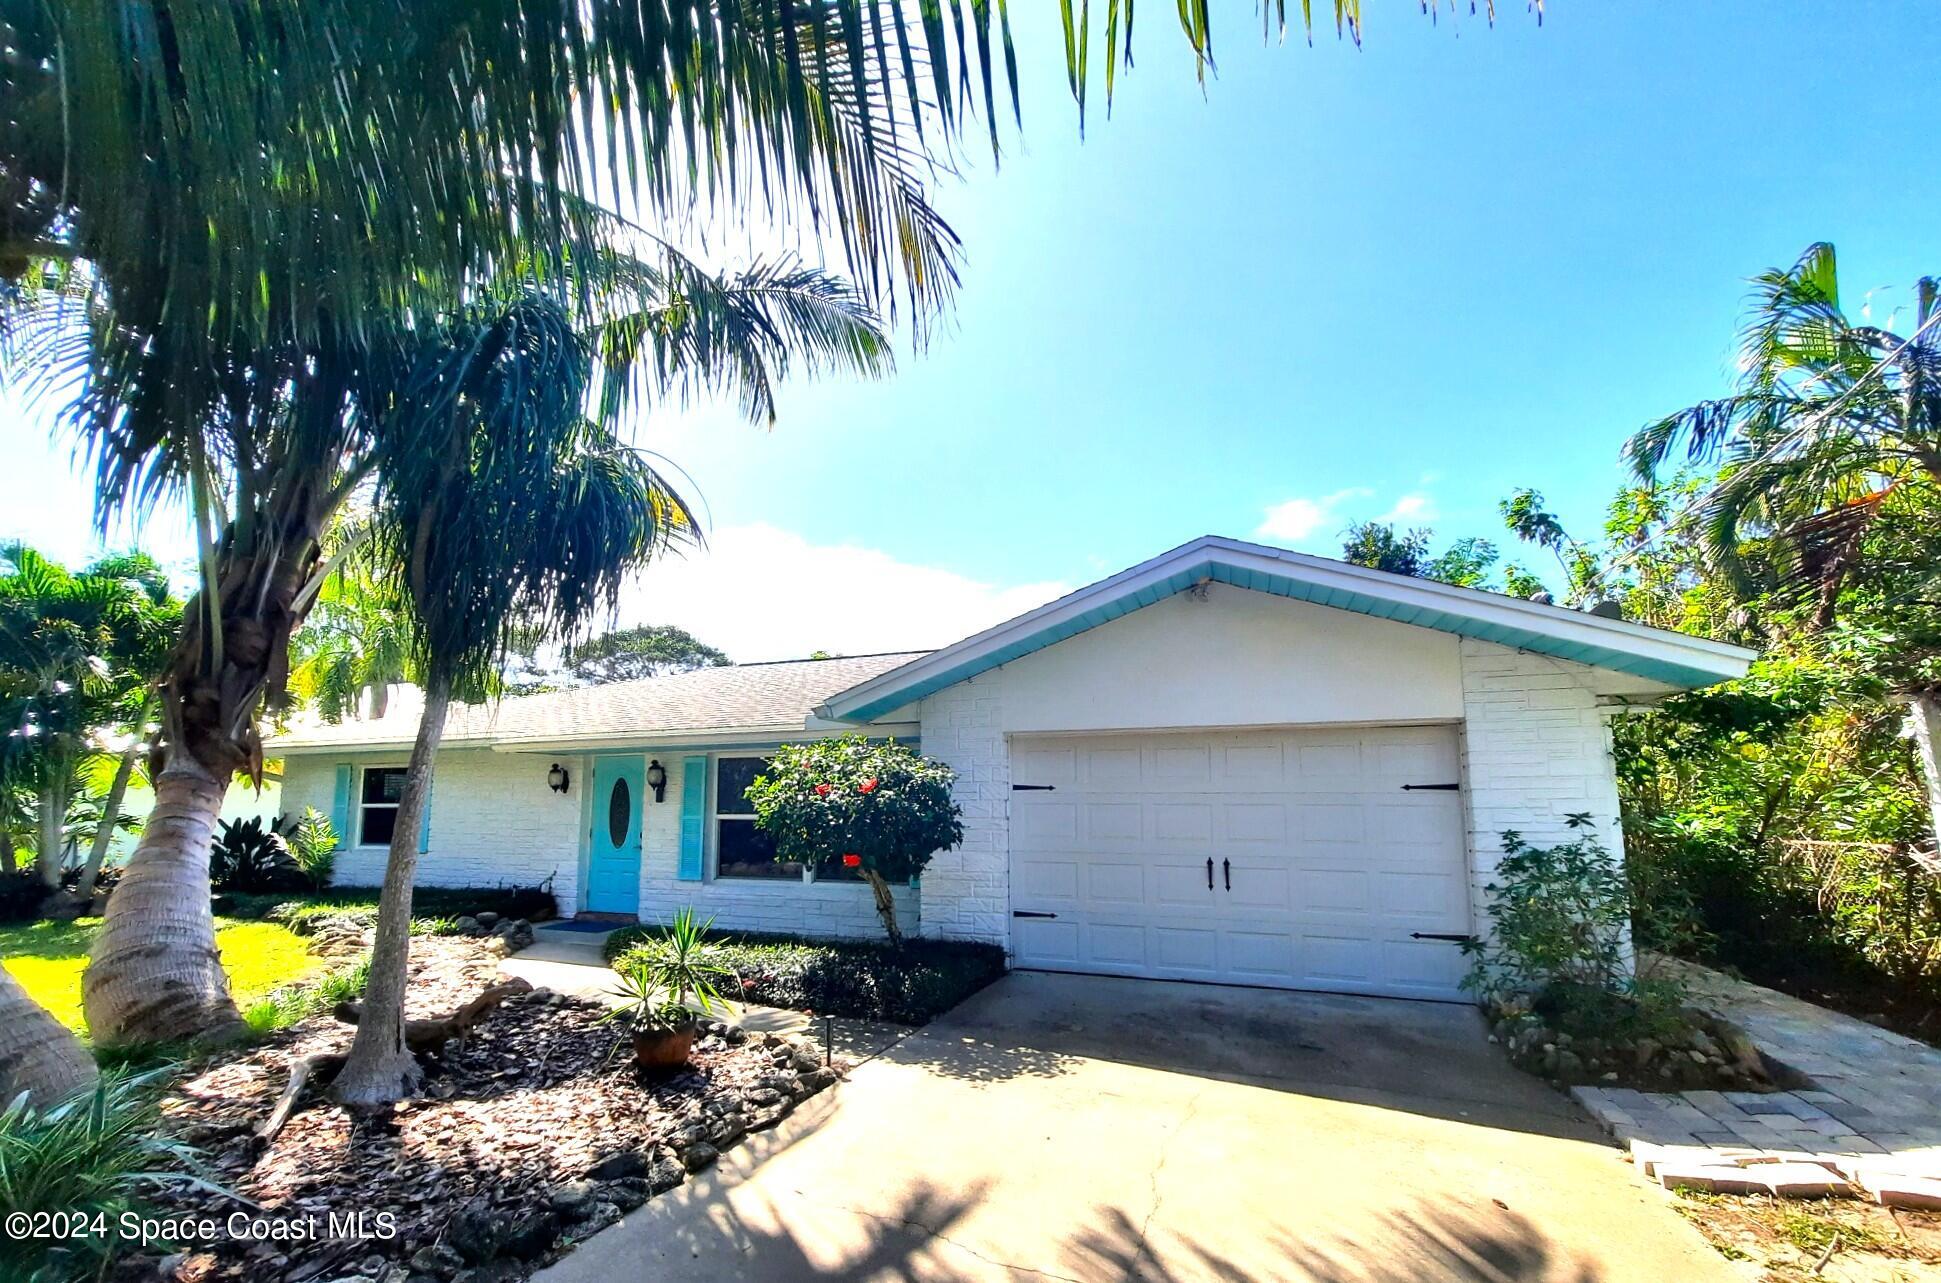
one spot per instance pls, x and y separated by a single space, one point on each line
742 850
377 812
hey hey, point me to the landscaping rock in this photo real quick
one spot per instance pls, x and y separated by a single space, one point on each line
699 1155
664 1173
621 1163
531 1234
467 925
626 1194
488 920
573 1200
476 1231
438 1259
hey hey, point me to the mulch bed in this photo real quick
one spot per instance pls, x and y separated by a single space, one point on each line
534 1132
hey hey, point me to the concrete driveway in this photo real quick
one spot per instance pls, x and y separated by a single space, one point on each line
1082 1128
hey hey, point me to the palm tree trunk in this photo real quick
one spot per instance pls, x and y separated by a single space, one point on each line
381 1069
154 973
1924 720
38 1054
104 833
53 823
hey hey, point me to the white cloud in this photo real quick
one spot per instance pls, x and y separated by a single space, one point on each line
1299 519
759 592
1414 507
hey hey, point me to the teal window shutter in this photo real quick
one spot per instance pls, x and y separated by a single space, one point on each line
694 816
340 806
424 823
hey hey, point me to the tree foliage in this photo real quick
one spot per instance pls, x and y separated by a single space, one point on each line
879 810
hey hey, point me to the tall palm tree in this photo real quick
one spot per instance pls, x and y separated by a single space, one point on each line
1831 419
38 1054
505 515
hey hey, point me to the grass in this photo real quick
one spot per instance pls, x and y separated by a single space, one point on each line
47 958
858 979
1787 1238
286 1006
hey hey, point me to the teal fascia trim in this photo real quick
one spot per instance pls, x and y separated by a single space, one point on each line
1286 586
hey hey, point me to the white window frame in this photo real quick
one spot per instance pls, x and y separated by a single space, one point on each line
716 814
358 804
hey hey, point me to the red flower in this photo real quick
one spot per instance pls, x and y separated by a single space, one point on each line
868 785
852 861
822 790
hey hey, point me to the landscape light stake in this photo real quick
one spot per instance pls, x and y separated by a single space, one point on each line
828 1039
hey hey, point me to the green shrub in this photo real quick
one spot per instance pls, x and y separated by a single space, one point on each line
535 904
859 979
249 855
20 896
93 1153
313 843
1560 942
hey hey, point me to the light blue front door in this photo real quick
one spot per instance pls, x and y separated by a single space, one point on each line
613 843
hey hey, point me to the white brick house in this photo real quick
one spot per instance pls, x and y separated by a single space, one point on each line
1229 763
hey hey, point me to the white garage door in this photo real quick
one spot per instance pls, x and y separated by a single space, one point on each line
1288 858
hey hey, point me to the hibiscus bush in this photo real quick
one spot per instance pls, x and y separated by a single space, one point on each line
878 810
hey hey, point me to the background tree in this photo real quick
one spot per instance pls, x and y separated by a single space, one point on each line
622 655
78 654
846 807
356 643
1379 546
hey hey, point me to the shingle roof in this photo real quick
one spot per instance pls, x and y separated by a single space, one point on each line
777 697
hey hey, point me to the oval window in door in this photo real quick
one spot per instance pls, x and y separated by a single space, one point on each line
620 812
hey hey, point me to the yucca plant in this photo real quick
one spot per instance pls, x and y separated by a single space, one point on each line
92 1154
674 974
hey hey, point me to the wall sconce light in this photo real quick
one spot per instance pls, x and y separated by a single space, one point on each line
557 779
657 780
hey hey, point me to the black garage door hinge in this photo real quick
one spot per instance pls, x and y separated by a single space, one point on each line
1431 788
1033 788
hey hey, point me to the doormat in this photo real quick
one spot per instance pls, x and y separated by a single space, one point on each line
580 926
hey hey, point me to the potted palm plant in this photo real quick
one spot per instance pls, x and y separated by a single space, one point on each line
666 983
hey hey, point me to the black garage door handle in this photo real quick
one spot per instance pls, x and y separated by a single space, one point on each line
1453 937
1027 913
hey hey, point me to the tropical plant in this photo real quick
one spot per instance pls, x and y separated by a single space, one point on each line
250 855
77 655
313 843
1378 546
675 969
849 808
1559 939
88 1156
356 643
1832 417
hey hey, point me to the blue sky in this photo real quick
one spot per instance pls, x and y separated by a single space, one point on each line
1337 284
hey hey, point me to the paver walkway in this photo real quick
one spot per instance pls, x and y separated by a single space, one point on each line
1872 1116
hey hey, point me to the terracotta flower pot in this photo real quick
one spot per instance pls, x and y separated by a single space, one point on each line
660 1049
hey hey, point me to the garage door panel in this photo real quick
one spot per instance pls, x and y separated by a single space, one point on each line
1255 822
1045 880
1182 821
1323 866
1108 822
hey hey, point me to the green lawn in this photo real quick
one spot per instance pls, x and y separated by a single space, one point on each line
47 958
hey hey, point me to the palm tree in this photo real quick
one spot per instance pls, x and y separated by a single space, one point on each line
1830 420
77 652
508 516
1833 420
38 1054
355 645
